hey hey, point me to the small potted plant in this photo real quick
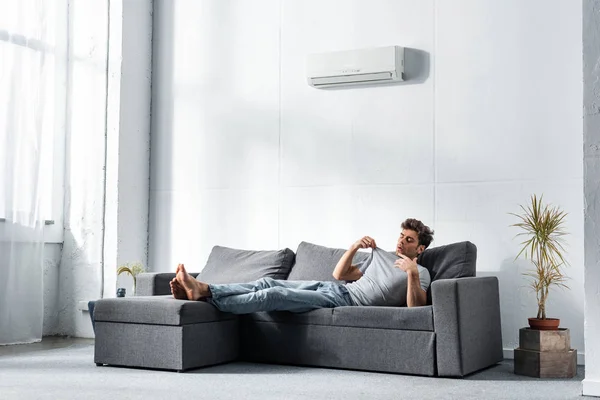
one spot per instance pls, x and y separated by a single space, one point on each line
542 227
134 270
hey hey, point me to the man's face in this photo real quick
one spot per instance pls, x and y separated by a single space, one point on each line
408 244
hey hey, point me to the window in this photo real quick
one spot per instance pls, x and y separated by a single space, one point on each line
34 33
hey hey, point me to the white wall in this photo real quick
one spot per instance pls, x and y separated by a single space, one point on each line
591 140
128 141
246 154
508 124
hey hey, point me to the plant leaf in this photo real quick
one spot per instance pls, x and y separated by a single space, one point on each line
543 227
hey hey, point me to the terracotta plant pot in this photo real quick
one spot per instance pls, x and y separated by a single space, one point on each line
548 324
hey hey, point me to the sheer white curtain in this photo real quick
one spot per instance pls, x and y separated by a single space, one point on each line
29 59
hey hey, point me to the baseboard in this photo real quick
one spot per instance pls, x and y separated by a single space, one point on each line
510 354
591 388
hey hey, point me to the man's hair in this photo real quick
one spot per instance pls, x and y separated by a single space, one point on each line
425 233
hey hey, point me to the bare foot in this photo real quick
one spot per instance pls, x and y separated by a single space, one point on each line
195 290
177 290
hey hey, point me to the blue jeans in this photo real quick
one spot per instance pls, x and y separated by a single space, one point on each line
267 294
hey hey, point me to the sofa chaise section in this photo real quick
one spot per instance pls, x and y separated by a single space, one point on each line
153 330
163 333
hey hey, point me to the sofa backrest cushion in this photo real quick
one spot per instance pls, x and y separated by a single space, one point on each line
456 260
227 265
316 263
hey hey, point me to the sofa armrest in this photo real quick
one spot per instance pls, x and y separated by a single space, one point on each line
466 319
155 283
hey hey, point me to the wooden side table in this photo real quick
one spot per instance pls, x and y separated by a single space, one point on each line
545 354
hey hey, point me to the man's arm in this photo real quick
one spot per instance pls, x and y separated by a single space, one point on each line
344 270
415 296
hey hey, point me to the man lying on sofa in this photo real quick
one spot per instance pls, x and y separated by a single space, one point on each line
384 279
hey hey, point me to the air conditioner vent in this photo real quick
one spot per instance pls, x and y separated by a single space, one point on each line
354 67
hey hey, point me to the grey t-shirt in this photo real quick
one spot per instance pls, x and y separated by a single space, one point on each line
382 284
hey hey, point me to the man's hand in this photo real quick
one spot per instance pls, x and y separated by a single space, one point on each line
344 270
365 243
407 264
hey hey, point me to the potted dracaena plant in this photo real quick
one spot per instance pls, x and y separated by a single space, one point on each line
542 227
134 270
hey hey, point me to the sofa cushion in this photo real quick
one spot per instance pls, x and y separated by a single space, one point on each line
226 265
157 310
320 316
316 263
155 283
414 319
405 318
456 260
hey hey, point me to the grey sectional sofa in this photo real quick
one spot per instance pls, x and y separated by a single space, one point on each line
457 333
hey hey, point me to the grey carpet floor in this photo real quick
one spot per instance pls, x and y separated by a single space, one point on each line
66 371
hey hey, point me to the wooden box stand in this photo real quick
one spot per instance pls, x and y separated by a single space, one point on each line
545 354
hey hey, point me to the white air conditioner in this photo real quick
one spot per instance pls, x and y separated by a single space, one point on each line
355 67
